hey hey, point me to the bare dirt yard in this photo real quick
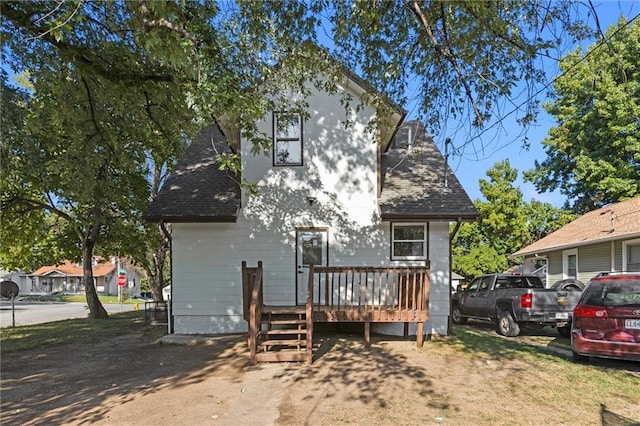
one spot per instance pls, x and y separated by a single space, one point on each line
130 380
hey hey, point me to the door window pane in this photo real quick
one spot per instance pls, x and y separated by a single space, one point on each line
633 257
311 249
571 266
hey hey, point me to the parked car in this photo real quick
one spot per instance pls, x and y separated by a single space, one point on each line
147 296
511 301
606 320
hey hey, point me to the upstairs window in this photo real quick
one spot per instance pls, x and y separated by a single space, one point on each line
408 241
287 139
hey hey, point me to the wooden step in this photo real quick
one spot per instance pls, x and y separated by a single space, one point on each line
284 342
281 356
284 310
285 331
285 322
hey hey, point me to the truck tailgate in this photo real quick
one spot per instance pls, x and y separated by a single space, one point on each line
549 300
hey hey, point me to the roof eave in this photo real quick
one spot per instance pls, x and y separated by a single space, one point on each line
192 219
546 250
465 217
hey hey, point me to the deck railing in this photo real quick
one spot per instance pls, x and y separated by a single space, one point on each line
370 294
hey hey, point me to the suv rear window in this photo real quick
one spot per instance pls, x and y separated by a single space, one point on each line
613 293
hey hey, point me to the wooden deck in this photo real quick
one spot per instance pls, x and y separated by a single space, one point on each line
334 294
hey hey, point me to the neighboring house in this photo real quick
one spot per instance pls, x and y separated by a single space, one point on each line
68 277
602 240
456 280
335 193
19 277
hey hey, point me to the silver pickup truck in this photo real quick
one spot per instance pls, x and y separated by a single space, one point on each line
512 301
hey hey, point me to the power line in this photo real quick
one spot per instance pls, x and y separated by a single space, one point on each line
602 42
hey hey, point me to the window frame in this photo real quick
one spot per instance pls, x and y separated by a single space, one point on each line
277 139
625 253
565 263
424 241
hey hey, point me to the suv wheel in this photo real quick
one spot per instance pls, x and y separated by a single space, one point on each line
456 315
507 326
579 358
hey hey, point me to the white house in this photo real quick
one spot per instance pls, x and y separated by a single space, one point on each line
19 277
330 194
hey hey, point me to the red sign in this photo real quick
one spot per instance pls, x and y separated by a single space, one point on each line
122 280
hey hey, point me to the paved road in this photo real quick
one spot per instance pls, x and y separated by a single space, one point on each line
27 313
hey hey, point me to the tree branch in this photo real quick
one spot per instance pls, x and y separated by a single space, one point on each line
62 24
150 24
447 55
83 55
32 204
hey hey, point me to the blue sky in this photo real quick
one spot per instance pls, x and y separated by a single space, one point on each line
504 142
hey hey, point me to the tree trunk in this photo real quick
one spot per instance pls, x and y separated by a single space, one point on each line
96 310
156 276
159 257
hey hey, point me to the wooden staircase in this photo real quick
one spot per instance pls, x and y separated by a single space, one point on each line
282 335
276 333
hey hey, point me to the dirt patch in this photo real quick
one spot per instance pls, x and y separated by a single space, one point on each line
131 380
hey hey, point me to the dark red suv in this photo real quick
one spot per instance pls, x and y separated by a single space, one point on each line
606 320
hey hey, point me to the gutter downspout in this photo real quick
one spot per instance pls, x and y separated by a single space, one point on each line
451 237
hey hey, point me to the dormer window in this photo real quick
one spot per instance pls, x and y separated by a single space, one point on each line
287 139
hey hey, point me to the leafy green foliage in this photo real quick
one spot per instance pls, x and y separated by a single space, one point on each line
506 224
459 59
593 153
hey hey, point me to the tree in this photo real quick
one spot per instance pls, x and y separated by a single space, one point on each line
506 224
120 87
461 61
118 90
107 100
593 153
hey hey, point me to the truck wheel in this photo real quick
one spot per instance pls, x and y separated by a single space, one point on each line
564 331
507 326
456 316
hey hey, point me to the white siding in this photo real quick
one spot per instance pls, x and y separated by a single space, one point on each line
440 291
339 170
207 287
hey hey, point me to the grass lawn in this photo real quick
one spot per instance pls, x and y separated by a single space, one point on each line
81 298
82 330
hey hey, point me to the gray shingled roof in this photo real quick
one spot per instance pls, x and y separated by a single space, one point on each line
413 180
412 184
197 191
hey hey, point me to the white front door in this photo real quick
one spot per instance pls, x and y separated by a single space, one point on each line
311 248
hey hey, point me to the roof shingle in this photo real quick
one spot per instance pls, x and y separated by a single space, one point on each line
71 269
417 184
198 191
615 221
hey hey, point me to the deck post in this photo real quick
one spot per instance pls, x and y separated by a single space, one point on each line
367 333
309 317
420 334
